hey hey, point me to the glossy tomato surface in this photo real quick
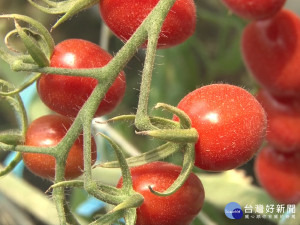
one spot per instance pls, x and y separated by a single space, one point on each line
67 94
124 17
179 208
47 131
230 122
279 174
254 9
283 130
271 51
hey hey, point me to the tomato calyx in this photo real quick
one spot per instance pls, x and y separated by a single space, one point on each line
35 37
183 138
184 134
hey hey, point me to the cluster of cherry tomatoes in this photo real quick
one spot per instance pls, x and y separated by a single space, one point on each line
66 96
231 123
270 47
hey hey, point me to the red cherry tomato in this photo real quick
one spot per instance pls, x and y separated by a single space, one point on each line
67 94
179 208
279 174
271 51
283 130
230 122
124 17
47 131
254 9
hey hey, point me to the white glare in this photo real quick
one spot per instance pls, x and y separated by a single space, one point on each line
212 117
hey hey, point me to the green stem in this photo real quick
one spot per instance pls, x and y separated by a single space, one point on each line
87 146
142 121
59 193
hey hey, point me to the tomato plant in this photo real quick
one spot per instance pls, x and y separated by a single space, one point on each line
271 51
283 130
217 127
124 17
47 131
254 9
279 174
67 94
179 208
230 122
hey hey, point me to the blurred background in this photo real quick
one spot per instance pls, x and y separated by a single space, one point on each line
211 55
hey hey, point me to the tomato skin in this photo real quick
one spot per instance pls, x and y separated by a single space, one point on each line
47 131
230 122
279 174
283 130
254 9
271 52
67 94
124 17
178 209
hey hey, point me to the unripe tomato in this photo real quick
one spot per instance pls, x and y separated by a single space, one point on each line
124 17
283 130
48 131
271 51
67 94
254 9
279 174
179 208
230 122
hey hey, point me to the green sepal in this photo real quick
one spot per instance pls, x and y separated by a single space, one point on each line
80 184
185 121
156 121
36 38
38 27
53 7
11 137
109 218
30 80
32 47
12 164
155 154
73 7
127 180
133 201
173 135
17 104
188 165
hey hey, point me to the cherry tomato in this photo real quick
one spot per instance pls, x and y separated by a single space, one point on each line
279 174
179 208
67 94
254 9
124 17
230 122
47 131
283 130
271 51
